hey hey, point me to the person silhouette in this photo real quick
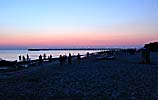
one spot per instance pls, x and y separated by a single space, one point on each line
147 56
24 59
87 54
143 56
61 59
78 58
44 56
28 59
50 58
40 60
20 58
69 59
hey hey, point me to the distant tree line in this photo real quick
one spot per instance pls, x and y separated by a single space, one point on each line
152 46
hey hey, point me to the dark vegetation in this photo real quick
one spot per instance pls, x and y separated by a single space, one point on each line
152 46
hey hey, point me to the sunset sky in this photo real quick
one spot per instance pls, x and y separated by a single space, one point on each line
77 23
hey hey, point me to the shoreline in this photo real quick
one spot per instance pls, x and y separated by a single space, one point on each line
31 63
21 65
34 63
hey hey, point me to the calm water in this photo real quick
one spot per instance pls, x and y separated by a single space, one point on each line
14 54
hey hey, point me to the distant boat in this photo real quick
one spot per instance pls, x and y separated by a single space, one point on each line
33 49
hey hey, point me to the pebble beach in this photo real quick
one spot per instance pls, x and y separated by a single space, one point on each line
120 79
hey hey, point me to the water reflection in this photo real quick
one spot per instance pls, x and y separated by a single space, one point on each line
14 54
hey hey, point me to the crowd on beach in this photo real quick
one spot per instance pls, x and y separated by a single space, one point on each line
26 60
41 59
145 56
22 58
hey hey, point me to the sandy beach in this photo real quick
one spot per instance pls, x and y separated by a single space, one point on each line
120 79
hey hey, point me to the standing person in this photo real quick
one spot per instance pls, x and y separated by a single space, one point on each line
20 58
78 58
28 59
44 56
61 59
87 54
143 56
50 58
69 59
40 60
147 56
64 58
23 58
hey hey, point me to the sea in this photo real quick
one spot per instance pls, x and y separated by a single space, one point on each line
12 55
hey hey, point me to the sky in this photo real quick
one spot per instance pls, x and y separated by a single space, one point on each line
77 23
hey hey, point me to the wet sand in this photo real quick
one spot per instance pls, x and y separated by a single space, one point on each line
120 79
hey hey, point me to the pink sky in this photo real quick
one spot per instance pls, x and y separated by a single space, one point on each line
51 39
133 35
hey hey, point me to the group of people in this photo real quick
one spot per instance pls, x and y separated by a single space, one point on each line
62 59
44 58
23 59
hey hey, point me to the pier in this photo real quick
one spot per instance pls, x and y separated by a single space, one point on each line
73 49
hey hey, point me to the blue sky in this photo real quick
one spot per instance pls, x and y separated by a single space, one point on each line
63 16
25 12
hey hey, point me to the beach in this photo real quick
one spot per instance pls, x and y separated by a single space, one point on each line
122 78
